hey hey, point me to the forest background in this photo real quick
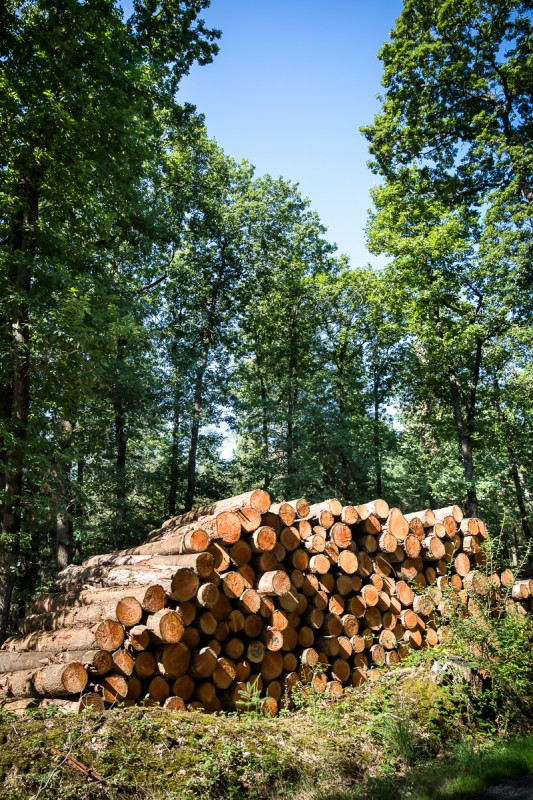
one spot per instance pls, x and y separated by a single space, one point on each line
155 293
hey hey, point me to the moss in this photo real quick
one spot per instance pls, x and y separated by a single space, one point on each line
150 753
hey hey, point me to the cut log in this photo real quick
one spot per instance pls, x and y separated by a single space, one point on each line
397 524
166 625
152 598
426 517
453 511
378 508
98 662
274 583
128 611
53 680
108 635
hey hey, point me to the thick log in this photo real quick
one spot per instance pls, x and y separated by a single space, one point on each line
273 583
257 499
53 680
189 542
397 524
379 508
128 611
152 598
426 517
453 511
97 662
108 635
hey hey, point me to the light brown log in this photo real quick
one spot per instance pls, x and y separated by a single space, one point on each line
207 595
166 625
221 555
248 574
257 499
173 660
108 635
404 593
127 611
195 541
372 525
52 680
273 583
341 534
174 703
397 524
123 662
138 638
462 564
240 553
387 542
475 584
185 583
433 547
98 662
416 528
114 688
315 543
285 511
426 517
158 688
507 578
152 598
203 663
207 624
378 508
412 546
423 605
453 511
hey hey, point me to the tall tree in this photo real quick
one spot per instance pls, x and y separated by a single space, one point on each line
80 96
453 145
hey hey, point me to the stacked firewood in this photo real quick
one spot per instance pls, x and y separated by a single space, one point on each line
245 597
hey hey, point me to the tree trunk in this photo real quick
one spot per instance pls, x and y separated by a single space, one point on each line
121 441
464 429
513 466
209 331
66 502
377 437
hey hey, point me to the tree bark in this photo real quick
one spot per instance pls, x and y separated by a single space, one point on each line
465 429
208 334
121 448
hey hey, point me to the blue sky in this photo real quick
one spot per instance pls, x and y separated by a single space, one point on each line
292 84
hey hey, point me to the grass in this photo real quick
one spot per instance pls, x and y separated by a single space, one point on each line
467 771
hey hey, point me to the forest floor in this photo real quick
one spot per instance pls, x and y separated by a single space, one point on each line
409 734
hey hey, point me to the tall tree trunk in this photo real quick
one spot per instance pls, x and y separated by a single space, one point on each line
264 425
209 331
66 501
513 465
121 441
17 395
174 457
377 436
464 428
292 397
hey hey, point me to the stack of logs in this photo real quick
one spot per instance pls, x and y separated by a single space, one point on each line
246 594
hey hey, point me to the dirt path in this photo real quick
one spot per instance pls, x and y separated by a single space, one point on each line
513 789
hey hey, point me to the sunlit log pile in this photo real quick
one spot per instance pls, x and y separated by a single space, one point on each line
245 593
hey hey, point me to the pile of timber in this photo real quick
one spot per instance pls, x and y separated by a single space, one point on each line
247 593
